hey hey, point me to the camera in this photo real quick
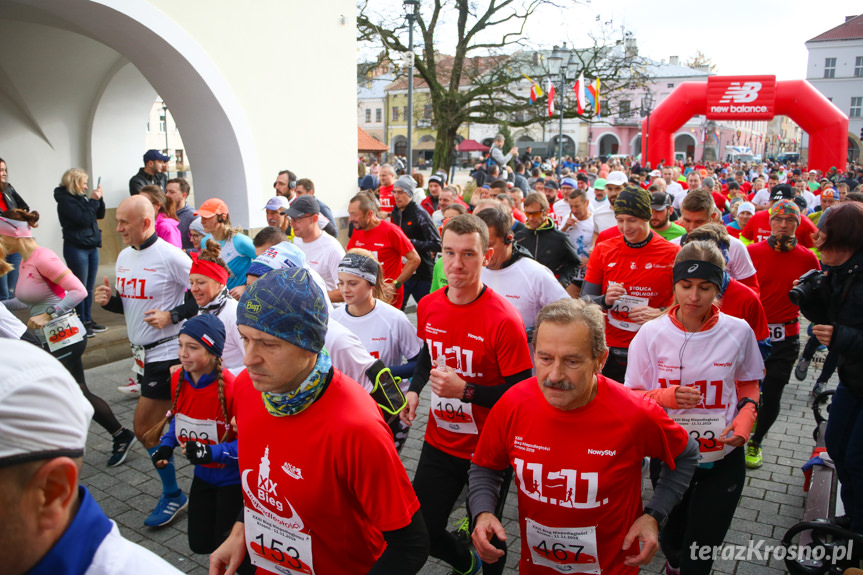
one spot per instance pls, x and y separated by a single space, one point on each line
806 288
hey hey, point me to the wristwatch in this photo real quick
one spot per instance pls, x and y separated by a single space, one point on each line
397 284
175 317
661 518
52 313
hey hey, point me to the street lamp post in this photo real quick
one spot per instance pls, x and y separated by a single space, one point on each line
411 6
556 65
646 109
165 115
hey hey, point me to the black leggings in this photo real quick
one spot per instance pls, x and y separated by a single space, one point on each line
778 369
704 514
438 482
830 362
213 510
70 357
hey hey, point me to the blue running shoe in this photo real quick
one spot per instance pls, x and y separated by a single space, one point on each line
166 510
475 564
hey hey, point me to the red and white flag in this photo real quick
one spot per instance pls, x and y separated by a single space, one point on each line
550 93
580 95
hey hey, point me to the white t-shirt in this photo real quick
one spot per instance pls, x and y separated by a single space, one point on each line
118 555
528 285
761 197
678 197
323 255
674 188
10 326
561 211
581 236
662 354
812 201
347 353
233 353
385 332
739 264
153 278
603 216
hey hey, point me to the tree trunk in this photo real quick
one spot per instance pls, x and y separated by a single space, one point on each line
443 147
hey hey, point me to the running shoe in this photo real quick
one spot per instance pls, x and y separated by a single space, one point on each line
131 388
802 369
97 327
818 388
89 330
753 456
669 570
475 565
166 510
122 443
462 532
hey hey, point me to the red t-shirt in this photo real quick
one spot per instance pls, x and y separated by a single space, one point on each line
519 215
645 272
758 229
578 472
389 244
720 200
321 486
733 232
3 206
742 301
385 195
776 272
607 234
484 341
198 412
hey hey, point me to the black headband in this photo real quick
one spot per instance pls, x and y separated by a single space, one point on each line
698 269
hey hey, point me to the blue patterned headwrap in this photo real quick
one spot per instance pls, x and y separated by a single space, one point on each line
286 304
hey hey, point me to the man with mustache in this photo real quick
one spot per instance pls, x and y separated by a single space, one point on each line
579 489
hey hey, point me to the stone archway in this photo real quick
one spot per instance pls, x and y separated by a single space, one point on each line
685 144
608 144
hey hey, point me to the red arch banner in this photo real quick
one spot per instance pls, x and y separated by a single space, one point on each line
751 98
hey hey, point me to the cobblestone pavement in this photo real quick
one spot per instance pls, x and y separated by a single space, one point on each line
772 500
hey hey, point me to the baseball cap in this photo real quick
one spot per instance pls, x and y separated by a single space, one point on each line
830 193
43 413
599 184
153 155
277 257
617 179
813 171
746 207
655 174
212 207
551 184
302 206
782 192
660 200
277 204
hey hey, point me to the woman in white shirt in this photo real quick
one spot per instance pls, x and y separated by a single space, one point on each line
703 367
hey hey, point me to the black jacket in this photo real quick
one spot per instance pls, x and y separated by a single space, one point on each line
13 200
417 225
78 216
552 248
837 302
142 179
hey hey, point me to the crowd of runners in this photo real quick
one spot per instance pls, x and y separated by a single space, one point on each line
581 326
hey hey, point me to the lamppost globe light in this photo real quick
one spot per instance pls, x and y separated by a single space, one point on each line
411 7
555 61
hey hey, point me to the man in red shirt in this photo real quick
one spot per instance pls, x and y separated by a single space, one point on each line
759 227
386 241
475 349
579 490
779 260
385 191
323 487
630 276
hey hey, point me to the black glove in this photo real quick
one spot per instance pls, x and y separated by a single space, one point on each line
163 453
197 452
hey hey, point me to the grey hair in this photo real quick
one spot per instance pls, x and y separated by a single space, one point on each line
567 311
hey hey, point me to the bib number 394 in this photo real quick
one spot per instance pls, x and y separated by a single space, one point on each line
563 549
275 548
453 414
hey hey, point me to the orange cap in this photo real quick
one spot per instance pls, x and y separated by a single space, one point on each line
212 207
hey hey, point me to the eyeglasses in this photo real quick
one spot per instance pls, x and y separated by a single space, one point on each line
304 216
534 214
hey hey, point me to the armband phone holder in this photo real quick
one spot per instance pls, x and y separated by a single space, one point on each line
386 391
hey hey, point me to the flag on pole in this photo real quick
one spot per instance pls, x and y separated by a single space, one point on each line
580 97
535 90
550 92
593 96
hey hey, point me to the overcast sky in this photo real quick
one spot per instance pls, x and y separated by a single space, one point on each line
739 36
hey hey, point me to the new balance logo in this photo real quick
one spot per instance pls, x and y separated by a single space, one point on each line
740 94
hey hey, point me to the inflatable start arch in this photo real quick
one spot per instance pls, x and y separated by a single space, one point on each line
751 98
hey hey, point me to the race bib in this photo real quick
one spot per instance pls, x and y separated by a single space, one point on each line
229 252
618 315
276 548
62 332
705 429
453 414
563 549
138 357
777 331
190 429
579 275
